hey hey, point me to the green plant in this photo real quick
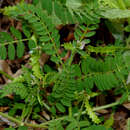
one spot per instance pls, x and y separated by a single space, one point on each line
70 83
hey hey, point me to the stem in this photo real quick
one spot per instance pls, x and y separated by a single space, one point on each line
100 108
70 111
44 125
11 118
42 103
123 81
79 114
28 115
71 57
6 75
106 106
22 123
46 106
16 41
80 111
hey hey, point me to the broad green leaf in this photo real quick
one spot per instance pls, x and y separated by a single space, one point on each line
55 59
50 52
60 107
26 31
23 128
127 28
90 34
84 123
116 13
123 98
74 4
53 110
72 125
85 66
31 44
68 46
5 37
48 46
59 126
45 38
109 123
11 52
3 53
20 49
96 127
127 3
48 68
35 2
89 82
77 71
66 102
17 106
47 4
16 33
33 19
59 11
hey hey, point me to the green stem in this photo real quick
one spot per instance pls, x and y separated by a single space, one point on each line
42 103
16 41
44 125
80 111
6 75
79 114
101 107
70 111
71 57
29 113
123 81
11 118
106 106
22 123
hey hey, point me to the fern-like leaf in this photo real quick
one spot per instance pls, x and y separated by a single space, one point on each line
17 88
116 13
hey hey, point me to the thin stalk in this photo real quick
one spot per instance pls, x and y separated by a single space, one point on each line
106 106
70 111
42 103
11 118
44 125
28 115
123 81
16 41
100 108
71 57
80 113
22 123
46 106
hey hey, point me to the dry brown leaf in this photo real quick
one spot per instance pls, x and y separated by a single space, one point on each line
44 114
3 109
43 59
103 111
5 68
127 105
